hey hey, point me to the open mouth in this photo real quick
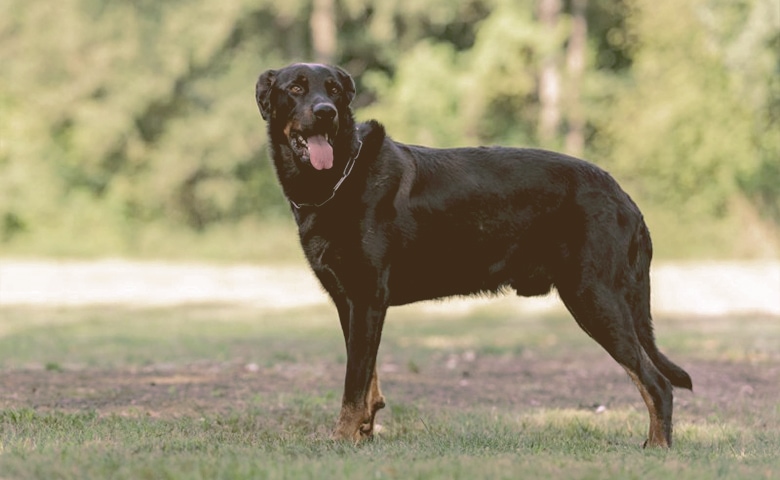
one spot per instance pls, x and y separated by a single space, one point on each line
315 149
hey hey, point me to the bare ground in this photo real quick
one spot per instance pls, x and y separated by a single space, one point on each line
509 383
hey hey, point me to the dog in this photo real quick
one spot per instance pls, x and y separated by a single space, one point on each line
383 223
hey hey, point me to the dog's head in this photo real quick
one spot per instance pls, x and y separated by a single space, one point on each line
309 105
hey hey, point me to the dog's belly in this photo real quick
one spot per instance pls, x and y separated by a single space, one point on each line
409 287
416 277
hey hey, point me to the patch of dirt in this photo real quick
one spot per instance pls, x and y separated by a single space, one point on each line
520 382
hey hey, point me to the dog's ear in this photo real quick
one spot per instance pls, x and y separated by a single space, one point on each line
263 92
346 83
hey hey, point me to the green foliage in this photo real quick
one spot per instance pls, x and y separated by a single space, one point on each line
135 112
118 119
438 94
421 88
681 124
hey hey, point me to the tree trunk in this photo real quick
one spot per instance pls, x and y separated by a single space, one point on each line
575 67
549 77
323 30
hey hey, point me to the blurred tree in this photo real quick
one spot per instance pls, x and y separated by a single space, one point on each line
118 116
143 118
323 30
549 12
682 131
576 51
486 91
752 55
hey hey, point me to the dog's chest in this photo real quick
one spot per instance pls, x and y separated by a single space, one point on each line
319 252
328 263
325 247
340 254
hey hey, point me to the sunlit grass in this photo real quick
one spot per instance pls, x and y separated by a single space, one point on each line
444 444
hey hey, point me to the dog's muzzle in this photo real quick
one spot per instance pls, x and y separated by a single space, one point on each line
315 144
315 149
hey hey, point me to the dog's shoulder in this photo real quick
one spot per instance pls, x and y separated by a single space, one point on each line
387 158
373 136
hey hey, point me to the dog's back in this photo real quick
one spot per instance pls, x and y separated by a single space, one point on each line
472 220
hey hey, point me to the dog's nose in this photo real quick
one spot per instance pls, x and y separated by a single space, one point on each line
325 111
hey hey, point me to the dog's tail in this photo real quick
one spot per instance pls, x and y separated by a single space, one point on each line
640 254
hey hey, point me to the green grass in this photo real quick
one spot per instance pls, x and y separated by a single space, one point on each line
119 336
284 434
249 444
270 241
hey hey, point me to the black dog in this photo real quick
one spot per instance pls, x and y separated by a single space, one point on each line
383 223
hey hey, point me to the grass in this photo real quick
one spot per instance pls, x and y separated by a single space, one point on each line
281 433
271 241
544 444
120 335
117 336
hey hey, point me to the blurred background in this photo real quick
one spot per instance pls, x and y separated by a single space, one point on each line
129 128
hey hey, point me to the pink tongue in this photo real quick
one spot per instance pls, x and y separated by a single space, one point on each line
320 152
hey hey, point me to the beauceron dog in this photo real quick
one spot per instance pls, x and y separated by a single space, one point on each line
383 223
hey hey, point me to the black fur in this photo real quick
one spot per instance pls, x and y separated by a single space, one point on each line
411 223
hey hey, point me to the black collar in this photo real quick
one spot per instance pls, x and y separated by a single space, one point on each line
347 170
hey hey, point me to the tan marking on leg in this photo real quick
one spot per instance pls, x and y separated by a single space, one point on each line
356 423
656 436
376 402
348 426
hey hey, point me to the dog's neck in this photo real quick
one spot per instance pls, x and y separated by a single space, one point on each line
347 170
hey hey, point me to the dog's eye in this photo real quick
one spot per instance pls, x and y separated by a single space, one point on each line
295 89
334 90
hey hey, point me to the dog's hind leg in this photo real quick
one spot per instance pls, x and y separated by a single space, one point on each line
637 295
604 314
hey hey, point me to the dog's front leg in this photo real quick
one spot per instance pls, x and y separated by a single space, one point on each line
375 400
362 397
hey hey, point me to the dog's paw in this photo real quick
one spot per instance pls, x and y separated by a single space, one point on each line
340 435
